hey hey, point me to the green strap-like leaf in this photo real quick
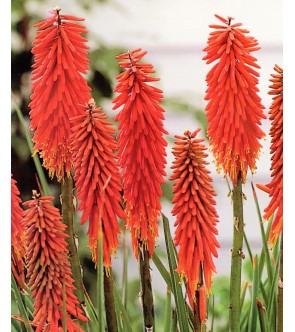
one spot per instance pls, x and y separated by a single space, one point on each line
28 302
263 236
271 305
162 269
20 304
248 247
176 282
91 314
123 313
243 292
100 287
255 288
262 317
167 314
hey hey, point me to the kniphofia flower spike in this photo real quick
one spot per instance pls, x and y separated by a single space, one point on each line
17 236
97 178
275 187
60 61
234 110
196 217
49 271
141 147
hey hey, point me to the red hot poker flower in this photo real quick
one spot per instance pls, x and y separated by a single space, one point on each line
60 60
196 216
97 178
275 187
49 267
141 147
234 111
17 236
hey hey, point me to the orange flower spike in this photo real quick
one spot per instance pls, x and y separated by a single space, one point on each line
196 216
234 110
48 266
17 236
97 178
60 61
141 147
275 187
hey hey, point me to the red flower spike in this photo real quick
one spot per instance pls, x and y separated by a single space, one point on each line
275 187
97 178
141 147
196 216
17 236
49 267
234 111
60 61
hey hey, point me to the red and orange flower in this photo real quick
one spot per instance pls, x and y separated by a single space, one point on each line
275 187
234 110
141 147
60 61
196 217
17 236
48 267
97 178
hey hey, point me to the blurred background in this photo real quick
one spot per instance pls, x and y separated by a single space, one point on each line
174 33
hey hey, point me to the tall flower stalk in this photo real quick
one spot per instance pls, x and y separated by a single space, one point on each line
142 159
275 187
234 112
196 219
59 87
17 236
98 184
68 214
49 271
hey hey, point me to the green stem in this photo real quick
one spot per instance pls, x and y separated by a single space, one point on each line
68 219
280 290
146 285
109 301
236 260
